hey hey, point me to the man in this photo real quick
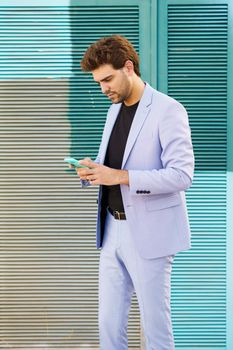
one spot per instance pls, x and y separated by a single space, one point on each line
144 165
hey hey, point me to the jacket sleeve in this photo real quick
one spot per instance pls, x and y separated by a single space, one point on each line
176 156
85 183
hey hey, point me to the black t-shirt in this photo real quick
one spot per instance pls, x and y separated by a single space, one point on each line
115 152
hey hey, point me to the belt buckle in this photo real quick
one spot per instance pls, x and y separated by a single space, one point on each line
117 215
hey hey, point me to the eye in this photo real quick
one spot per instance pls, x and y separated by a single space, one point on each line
108 79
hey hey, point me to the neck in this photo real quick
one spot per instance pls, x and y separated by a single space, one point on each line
136 93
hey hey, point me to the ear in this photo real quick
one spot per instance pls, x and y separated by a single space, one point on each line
129 67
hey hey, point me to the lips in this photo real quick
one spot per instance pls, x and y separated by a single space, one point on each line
109 95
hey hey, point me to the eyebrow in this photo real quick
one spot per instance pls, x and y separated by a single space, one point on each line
107 77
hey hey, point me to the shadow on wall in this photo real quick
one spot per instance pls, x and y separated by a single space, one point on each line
87 106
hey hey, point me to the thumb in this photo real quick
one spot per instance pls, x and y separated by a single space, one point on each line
88 162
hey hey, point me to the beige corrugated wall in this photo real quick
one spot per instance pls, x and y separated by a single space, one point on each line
48 258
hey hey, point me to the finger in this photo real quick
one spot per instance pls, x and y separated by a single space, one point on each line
94 182
84 171
85 177
89 163
84 161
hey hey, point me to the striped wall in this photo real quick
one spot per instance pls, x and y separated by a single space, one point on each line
196 49
49 110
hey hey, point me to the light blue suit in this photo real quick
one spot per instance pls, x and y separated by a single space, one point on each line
159 158
137 253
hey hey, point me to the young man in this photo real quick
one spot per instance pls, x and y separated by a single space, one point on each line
144 165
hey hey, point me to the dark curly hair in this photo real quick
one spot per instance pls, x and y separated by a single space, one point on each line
114 50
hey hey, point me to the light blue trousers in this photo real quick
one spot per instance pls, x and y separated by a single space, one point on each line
121 272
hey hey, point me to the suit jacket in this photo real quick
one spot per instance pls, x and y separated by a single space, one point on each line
159 158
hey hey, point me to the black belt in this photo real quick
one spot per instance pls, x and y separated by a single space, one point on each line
118 215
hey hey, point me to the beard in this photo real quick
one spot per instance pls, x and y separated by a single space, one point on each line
124 92
116 98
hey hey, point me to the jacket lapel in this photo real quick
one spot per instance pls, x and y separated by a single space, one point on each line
138 121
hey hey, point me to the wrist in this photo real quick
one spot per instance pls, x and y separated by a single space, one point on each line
123 177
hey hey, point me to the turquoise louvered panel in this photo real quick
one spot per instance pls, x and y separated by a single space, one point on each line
196 70
35 42
88 106
199 276
48 110
197 76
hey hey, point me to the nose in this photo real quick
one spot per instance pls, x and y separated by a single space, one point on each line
104 87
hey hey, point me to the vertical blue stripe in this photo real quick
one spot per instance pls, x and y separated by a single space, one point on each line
230 184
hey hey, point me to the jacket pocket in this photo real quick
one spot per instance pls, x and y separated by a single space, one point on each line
163 202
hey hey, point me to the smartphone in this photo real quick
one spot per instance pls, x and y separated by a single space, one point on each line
74 162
